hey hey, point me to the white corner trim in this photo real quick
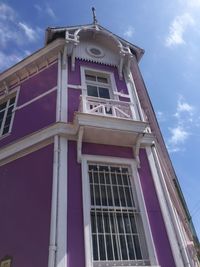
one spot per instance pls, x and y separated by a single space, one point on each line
79 144
61 254
164 208
64 88
175 222
53 222
134 95
59 84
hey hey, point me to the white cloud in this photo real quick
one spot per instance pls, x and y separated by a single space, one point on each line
129 32
178 28
6 12
178 135
39 9
8 60
50 12
29 32
184 107
193 3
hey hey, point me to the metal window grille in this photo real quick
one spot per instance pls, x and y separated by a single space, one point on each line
116 236
6 112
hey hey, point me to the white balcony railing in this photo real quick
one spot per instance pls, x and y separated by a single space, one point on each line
107 107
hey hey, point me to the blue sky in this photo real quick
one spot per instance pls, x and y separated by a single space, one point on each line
169 31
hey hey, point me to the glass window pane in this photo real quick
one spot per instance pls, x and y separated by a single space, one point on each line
137 248
92 91
97 195
93 223
122 196
99 223
109 247
1 117
95 247
2 106
123 248
109 194
115 246
103 195
12 101
92 194
116 196
127 223
102 248
128 197
130 247
90 77
102 79
104 92
120 223
106 223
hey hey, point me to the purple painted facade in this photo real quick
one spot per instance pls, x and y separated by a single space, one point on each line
157 225
26 120
25 205
75 219
75 239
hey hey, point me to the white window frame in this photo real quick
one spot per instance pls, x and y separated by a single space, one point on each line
111 79
86 159
5 99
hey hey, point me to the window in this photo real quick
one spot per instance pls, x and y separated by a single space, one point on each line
95 51
114 232
6 114
98 85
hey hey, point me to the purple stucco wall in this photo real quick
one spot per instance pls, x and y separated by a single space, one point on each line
74 78
158 229
26 121
75 228
25 206
75 241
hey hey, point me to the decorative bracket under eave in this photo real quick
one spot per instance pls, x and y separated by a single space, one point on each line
6 88
136 148
64 59
79 143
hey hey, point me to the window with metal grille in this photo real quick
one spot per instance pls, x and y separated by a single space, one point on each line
98 85
6 113
116 226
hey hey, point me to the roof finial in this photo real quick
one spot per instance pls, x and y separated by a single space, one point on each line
94 16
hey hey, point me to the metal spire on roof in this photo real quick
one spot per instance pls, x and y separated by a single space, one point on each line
94 16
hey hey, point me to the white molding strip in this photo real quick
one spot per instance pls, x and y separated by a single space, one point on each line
53 224
61 253
156 174
35 99
9 152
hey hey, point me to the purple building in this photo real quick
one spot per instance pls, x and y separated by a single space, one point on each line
85 177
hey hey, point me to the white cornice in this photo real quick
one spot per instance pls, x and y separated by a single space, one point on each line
30 61
17 148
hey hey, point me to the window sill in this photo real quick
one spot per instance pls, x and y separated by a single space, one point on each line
122 264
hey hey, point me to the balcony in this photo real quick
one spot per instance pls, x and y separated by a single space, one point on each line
107 107
108 121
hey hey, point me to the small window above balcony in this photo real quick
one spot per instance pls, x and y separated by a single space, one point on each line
97 85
